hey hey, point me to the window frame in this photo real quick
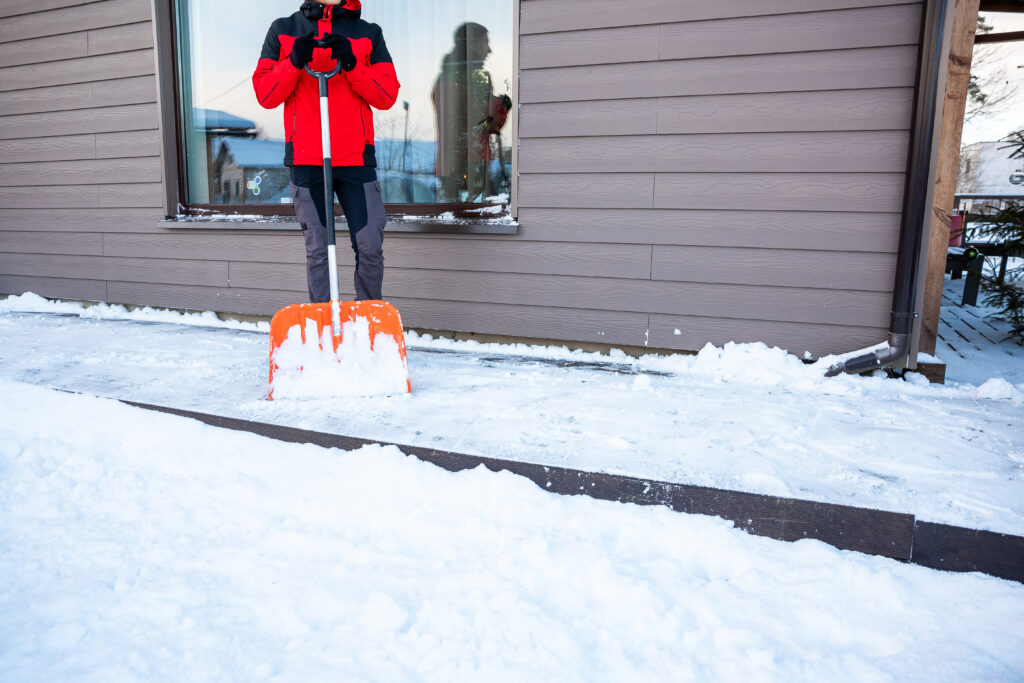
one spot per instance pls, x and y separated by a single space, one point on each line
429 216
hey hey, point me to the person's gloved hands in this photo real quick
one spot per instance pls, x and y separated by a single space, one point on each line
302 51
341 49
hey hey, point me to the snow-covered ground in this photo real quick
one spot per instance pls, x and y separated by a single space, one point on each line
137 546
743 417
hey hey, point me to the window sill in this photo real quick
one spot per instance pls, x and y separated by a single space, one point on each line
505 225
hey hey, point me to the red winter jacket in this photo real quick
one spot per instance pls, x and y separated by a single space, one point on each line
372 82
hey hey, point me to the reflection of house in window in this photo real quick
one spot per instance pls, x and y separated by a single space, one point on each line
249 171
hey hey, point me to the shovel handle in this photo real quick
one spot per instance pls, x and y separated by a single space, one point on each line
325 130
322 76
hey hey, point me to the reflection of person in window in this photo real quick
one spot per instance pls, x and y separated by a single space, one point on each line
367 79
467 114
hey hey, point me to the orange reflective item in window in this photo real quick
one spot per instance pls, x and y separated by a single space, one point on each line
382 317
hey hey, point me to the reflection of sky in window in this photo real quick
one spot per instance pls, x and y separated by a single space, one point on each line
227 39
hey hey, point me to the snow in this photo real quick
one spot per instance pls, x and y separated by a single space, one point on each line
138 546
741 417
309 367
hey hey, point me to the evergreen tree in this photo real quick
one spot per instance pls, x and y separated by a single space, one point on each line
1007 226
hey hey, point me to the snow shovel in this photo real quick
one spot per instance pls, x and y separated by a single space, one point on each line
383 318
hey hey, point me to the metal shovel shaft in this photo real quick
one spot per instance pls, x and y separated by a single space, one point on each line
332 250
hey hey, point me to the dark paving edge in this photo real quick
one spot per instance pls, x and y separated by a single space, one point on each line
875 532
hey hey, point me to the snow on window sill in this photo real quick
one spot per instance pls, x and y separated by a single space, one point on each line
444 223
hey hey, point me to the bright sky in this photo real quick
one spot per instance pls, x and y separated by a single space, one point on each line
227 45
1009 63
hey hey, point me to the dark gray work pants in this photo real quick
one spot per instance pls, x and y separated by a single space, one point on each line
359 194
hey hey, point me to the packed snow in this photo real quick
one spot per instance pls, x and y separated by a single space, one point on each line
308 366
741 417
138 546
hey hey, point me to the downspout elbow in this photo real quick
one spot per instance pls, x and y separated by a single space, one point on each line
896 349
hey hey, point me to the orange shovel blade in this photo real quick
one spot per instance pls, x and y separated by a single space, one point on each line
382 316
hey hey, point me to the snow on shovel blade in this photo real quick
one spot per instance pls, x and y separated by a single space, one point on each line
368 357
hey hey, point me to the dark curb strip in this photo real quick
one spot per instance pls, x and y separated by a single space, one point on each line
875 532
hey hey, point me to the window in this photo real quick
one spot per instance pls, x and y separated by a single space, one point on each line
446 145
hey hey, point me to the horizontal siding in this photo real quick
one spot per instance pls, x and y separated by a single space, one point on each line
858 152
107 67
65 99
60 218
888 67
80 172
160 270
692 332
116 119
541 16
9 8
54 287
82 44
72 17
836 30
834 111
743 301
730 171
775 267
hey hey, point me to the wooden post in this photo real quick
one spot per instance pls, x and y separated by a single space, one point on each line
961 51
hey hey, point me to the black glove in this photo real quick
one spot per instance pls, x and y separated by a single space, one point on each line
341 49
302 51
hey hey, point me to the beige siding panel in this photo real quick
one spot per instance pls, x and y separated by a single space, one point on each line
57 288
225 246
591 190
67 46
11 7
831 110
776 267
869 309
603 46
137 90
78 243
873 192
819 340
806 32
469 255
41 217
462 253
547 322
137 143
822 231
121 38
136 196
62 148
483 255
77 17
542 16
86 69
858 308
885 67
170 271
604 117
68 197
221 299
103 120
81 172
861 152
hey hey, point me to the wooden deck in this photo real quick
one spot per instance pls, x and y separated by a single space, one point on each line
965 331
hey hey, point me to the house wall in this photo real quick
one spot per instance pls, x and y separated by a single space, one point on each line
690 172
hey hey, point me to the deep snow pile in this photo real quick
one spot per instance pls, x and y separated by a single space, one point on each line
140 546
742 417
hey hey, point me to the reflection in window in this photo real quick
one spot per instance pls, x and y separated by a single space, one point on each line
447 141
